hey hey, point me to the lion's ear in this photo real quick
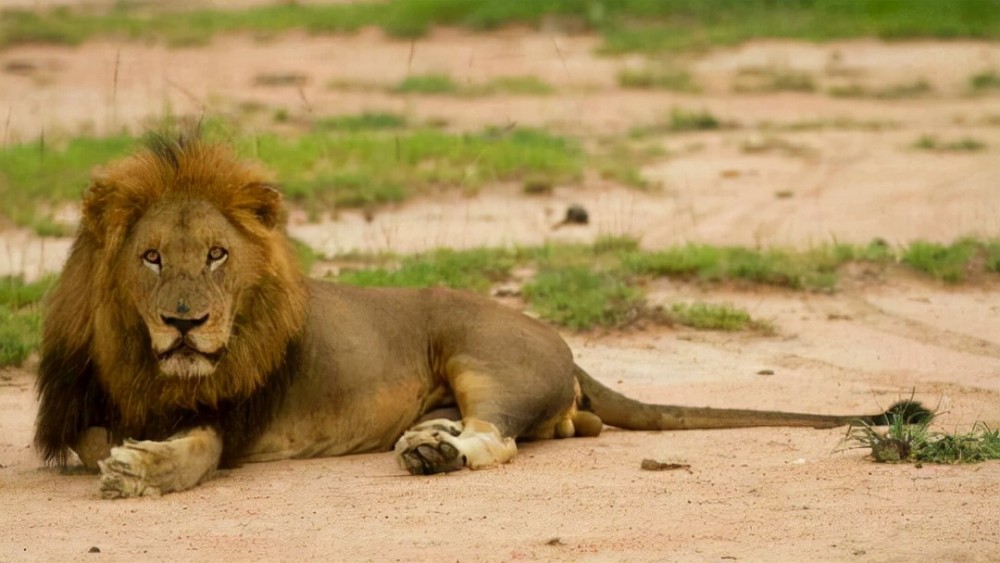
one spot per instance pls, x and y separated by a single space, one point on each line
107 211
264 201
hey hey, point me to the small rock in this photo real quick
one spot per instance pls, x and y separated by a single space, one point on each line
576 214
653 465
94 549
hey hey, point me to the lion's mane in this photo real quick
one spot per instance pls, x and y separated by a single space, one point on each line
97 368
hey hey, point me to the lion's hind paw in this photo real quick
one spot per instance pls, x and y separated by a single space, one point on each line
430 448
442 445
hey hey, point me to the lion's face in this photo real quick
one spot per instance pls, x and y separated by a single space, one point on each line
187 265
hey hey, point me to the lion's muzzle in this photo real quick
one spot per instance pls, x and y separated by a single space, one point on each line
187 346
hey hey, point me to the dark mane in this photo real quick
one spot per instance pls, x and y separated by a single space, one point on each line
96 368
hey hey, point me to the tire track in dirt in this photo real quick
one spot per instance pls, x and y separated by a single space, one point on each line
879 319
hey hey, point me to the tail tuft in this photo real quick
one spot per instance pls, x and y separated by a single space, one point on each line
909 412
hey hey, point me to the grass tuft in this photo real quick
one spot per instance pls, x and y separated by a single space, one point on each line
20 318
773 80
951 263
579 298
368 121
709 316
965 144
680 121
915 442
985 81
659 77
475 270
427 84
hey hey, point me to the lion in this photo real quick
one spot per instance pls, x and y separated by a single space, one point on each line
183 337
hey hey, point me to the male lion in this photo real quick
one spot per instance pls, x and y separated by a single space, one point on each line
182 337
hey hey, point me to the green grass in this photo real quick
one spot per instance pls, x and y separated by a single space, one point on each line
658 77
965 144
581 298
474 270
710 316
367 121
427 84
952 263
581 286
985 81
442 84
345 161
680 120
916 443
20 318
49 171
916 89
627 25
512 86
773 80
814 269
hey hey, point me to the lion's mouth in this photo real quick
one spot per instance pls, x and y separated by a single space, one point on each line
181 350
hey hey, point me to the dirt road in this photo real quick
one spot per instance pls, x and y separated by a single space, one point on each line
771 494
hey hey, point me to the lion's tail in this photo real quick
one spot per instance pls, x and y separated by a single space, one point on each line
615 409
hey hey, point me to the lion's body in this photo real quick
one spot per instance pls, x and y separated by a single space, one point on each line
378 360
182 321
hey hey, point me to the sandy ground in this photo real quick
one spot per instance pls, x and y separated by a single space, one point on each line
759 494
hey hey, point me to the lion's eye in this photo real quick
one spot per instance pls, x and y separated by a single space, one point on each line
216 256
151 259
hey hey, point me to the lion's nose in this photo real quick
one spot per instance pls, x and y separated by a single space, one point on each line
184 326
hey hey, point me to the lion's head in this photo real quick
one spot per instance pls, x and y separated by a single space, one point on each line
181 291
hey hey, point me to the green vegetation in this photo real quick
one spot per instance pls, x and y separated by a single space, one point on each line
627 25
427 84
621 160
965 144
510 85
20 318
358 168
986 81
680 121
580 298
345 161
580 286
658 77
773 80
916 89
953 262
361 122
444 84
904 441
839 123
475 269
709 316
51 172
814 269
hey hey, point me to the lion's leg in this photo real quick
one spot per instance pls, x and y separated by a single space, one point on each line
497 407
151 468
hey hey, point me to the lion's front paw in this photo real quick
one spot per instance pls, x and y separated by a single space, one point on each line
150 468
431 447
131 471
